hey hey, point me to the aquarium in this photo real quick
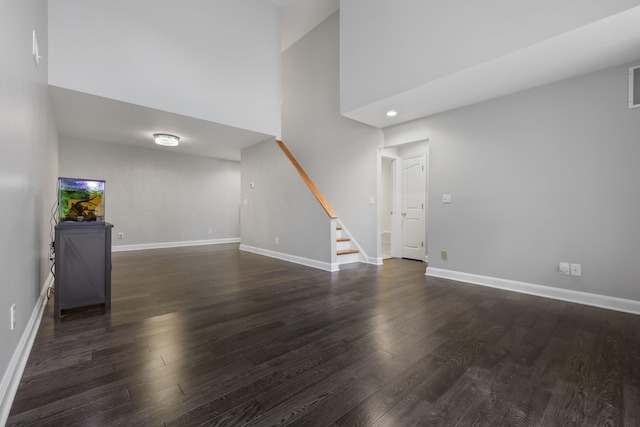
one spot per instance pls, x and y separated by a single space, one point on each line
81 200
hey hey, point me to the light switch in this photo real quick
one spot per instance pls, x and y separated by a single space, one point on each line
372 200
446 198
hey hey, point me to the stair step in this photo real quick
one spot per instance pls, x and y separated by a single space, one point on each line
343 246
343 239
348 251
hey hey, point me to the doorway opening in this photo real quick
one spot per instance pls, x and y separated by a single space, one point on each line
403 188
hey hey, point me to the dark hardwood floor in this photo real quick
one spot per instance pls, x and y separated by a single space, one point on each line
211 335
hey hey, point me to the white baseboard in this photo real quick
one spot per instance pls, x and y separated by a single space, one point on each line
326 266
13 374
164 245
595 300
374 260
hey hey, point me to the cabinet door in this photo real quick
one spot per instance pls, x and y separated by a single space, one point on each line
83 258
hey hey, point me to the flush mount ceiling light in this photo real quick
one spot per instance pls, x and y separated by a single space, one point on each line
166 139
392 113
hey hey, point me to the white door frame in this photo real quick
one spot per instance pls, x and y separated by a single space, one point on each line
387 209
397 152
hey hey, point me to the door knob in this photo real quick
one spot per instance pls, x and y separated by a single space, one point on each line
404 214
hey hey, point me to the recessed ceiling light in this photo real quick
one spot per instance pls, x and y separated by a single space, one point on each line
391 113
166 139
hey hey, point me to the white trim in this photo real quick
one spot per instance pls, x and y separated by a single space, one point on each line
326 266
333 232
163 245
595 300
13 374
632 86
375 261
345 259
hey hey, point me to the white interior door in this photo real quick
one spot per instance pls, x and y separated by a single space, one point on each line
413 197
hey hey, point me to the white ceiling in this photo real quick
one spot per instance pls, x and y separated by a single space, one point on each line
82 116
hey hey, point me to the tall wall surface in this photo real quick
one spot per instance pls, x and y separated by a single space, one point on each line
214 60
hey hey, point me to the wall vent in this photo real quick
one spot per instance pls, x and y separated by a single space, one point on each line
634 87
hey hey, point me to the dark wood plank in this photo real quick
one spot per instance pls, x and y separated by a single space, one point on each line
450 370
410 411
214 336
340 375
455 403
491 408
333 407
631 414
375 406
527 406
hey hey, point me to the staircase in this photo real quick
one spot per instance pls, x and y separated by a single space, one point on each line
345 249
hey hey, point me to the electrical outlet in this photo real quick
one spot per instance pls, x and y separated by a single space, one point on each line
13 317
444 254
277 241
576 269
120 236
210 231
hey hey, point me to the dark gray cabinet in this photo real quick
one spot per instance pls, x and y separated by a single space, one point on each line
83 265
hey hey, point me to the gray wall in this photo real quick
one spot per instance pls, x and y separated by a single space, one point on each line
28 167
339 154
388 47
213 60
281 205
546 175
154 197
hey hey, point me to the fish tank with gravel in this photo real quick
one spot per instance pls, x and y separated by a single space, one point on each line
80 200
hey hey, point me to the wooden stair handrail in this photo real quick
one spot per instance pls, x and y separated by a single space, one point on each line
318 195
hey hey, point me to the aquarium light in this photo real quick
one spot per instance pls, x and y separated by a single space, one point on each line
166 139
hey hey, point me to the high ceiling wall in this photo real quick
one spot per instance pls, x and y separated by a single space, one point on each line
214 60
427 56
